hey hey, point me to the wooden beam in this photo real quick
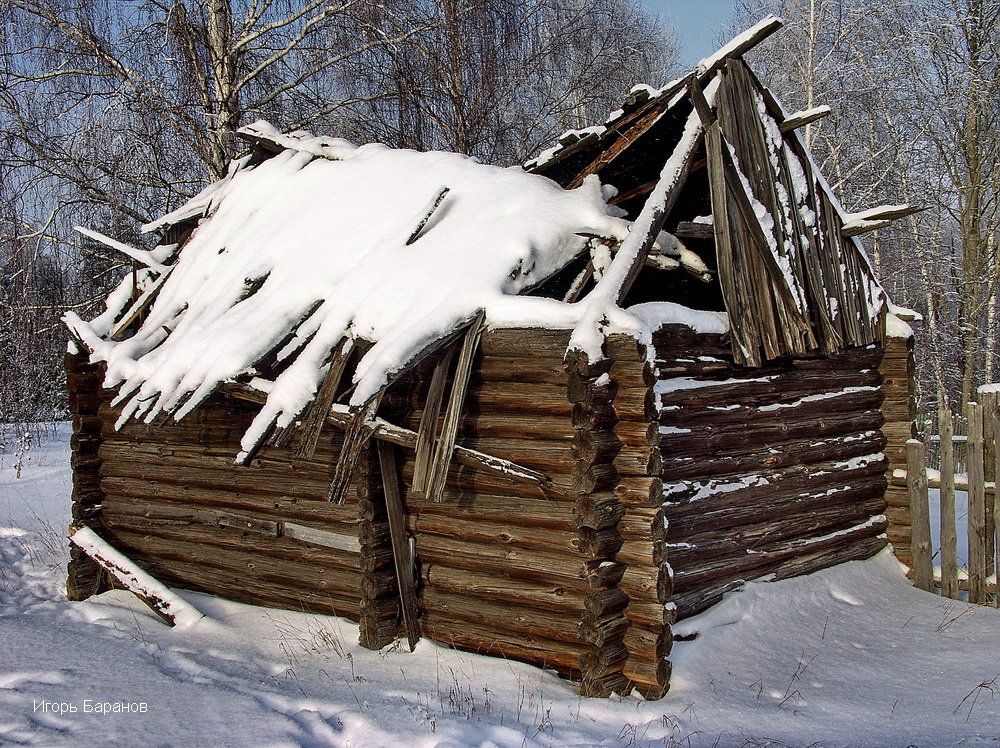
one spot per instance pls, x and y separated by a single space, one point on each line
691 230
340 417
358 431
138 307
336 540
856 224
162 601
400 544
701 105
949 532
315 417
978 530
923 570
744 202
803 118
139 255
428 212
739 46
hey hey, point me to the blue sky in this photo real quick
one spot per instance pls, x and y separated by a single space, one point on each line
697 23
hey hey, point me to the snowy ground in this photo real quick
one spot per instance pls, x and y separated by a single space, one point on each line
849 656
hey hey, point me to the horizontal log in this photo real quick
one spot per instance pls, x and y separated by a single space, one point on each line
769 389
748 436
764 554
643 523
782 454
266 504
221 539
644 583
730 509
519 563
533 622
509 534
544 653
256 569
494 586
811 518
640 490
695 601
524 343
525 512
177 472
774 407
233 586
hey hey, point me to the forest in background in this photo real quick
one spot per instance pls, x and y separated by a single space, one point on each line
113 112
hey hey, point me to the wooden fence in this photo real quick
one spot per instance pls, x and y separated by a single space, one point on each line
980 465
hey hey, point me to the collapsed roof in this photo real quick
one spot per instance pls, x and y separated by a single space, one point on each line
312 252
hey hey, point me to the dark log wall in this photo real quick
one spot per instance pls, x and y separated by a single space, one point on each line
505 568
83 380
759 475
767 471
176 504
899 411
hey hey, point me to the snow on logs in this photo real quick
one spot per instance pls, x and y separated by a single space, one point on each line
796 476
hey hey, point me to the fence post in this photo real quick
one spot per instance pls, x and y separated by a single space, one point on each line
949 532
989 396
916 478
977 506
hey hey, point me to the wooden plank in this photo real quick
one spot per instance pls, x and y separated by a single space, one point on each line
876 218
337 540
923 572
427 431
315 417
445 446
429 211
165 604
657 213
995 420
949 533
359 430
977 505
247 523
803 118
787 301
400 544
745 349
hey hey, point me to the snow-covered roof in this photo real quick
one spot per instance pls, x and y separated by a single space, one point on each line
328 241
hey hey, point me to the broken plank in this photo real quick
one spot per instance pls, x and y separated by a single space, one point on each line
161 600
445 446
400 545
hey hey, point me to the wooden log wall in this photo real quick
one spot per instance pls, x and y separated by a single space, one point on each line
265 534
509 570
772 471
83 380
899 412
775 471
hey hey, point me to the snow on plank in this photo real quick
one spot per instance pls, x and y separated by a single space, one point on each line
165 603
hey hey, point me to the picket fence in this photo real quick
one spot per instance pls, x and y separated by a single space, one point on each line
980 474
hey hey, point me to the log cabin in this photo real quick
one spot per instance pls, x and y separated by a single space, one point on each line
538 413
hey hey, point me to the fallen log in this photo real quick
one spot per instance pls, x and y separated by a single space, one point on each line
165 603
